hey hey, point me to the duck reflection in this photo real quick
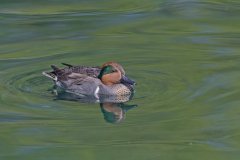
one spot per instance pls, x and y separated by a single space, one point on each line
115 112
113 108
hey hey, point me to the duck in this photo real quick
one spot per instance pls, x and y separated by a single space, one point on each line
107 80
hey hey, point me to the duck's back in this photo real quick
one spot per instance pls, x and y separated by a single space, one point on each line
89 71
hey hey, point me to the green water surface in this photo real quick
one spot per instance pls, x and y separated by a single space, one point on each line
184 55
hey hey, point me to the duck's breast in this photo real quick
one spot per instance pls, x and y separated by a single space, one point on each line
117 89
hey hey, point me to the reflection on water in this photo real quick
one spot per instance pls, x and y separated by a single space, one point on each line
113 108
115 112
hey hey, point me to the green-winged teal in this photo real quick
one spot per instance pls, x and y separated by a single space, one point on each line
109 79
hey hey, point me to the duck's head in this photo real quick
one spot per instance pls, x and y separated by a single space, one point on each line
113 73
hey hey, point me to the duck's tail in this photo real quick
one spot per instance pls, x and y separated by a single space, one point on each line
50 75
54 74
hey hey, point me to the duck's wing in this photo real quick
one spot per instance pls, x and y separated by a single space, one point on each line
66 64
89 71
79 79
63 72
80 84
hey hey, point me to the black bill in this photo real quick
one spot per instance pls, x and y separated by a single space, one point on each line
126 80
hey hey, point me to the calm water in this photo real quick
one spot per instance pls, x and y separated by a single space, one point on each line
184 55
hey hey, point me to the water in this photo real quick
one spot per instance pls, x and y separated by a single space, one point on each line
183 54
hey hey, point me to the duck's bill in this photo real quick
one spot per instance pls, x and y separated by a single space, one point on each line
126 80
